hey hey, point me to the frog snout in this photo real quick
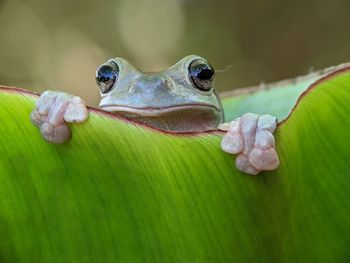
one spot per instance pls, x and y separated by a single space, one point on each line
153 83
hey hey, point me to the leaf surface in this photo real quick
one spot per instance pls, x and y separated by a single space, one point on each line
276 99
118 191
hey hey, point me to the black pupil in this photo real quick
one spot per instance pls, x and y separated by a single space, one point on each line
205 74
202 72
106 74
202 75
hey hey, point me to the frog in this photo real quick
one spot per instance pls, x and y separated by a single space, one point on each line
180 99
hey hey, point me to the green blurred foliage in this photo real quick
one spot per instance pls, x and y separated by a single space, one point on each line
58 44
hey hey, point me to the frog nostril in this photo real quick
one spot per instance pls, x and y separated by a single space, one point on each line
166 84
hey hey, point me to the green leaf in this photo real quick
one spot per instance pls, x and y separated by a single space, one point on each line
276 99
122 192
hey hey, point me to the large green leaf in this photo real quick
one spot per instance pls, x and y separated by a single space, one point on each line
123 192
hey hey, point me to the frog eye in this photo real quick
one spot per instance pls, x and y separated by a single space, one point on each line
201 74
106 75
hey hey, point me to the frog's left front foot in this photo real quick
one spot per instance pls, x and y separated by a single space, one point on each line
53 110
251 137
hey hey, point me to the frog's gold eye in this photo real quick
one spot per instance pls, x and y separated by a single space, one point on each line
106 76
201 74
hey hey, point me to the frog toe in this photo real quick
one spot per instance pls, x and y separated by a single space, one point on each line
76 111
55 134
265 160
243 164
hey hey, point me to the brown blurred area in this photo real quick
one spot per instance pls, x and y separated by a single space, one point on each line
58 44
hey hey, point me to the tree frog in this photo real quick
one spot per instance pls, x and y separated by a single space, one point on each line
179 99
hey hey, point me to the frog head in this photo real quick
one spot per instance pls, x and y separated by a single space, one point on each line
179 99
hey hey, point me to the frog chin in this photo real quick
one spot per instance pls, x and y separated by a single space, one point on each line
184 118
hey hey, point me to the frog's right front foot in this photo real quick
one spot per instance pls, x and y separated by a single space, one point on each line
251 137
53 110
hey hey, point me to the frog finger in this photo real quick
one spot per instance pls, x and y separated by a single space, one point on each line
76 110
45 101
42 107
264 160
57 109
36 118
55 134
243 164
233 142
267 122
263 156
248 123
264 140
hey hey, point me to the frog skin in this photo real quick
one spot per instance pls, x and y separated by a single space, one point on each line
179 99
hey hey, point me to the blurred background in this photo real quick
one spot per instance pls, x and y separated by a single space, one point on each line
50 44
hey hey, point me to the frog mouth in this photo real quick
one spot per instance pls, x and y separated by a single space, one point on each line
155 111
